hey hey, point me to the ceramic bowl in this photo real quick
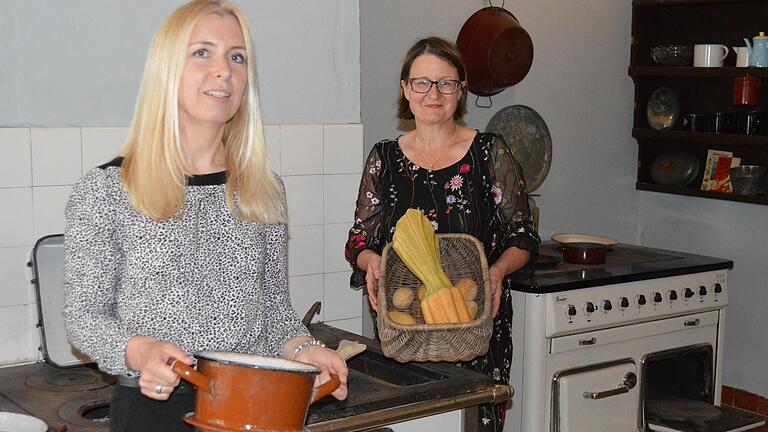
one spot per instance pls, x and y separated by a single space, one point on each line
584 253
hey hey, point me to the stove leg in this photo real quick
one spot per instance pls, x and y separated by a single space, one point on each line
470 418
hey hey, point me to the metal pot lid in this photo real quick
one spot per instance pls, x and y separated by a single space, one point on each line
528 137
48 268
675 167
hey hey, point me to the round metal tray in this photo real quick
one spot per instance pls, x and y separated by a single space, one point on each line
528 138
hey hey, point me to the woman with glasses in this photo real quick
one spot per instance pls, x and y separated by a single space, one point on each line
463 180
180 244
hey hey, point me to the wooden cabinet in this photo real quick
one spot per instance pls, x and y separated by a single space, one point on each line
699 90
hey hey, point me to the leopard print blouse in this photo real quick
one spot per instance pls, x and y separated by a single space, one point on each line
205 281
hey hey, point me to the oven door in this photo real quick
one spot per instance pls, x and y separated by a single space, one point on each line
603 396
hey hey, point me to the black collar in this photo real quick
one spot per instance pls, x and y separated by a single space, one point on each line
212 179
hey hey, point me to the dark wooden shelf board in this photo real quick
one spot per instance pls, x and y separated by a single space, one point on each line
684 2
701 137
679 190
695 72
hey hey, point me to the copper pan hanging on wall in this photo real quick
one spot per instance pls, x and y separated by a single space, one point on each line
496 50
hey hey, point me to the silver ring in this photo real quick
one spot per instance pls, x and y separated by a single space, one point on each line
159 389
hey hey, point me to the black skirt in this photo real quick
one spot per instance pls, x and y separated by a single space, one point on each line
131 411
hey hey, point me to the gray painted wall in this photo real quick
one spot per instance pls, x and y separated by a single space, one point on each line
79 62
731 230
579 84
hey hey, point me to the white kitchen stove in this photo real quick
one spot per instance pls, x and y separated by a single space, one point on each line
610 347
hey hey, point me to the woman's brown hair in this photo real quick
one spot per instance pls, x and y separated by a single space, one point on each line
443 49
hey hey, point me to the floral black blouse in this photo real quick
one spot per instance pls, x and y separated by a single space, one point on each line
483 194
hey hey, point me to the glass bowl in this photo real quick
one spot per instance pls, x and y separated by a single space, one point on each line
748 179
673 55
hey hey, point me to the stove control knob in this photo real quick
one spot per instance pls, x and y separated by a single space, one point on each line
672 295
590 307
607 305
718 288
571 310
657 297
688 293
702 290
641 299
624 302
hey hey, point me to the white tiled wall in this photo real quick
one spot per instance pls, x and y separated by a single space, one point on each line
56 156
320 166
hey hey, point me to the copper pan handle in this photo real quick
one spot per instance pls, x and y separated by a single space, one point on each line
325 389
188 373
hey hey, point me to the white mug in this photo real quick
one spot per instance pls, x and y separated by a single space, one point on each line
709 55
742 56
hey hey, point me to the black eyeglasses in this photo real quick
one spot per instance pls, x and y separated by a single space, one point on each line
445 86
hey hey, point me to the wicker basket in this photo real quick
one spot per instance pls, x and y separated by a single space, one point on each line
462 256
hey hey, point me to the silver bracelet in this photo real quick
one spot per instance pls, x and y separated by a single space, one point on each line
306 344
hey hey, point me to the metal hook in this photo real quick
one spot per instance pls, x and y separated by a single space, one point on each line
491 3
477 102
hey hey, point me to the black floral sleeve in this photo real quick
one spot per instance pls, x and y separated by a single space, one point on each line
365 232
512 218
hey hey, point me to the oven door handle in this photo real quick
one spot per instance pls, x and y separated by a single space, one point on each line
628 382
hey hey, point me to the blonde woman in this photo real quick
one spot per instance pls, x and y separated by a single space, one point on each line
180 244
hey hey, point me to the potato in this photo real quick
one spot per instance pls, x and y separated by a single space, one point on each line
402 318
468 288
471 308
421 292
402 298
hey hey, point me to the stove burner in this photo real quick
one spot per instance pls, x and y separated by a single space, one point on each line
69 380
86 411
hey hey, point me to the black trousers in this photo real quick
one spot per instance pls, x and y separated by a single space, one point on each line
131 411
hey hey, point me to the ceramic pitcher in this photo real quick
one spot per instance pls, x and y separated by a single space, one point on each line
742 56
758 51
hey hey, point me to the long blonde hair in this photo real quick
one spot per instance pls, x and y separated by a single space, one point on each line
154 169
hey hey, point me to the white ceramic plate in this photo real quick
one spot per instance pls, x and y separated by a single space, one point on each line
582 238
663 108
21 423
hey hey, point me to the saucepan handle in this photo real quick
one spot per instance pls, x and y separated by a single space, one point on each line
188 373
326 389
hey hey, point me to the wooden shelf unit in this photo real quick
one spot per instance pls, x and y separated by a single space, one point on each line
699 90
